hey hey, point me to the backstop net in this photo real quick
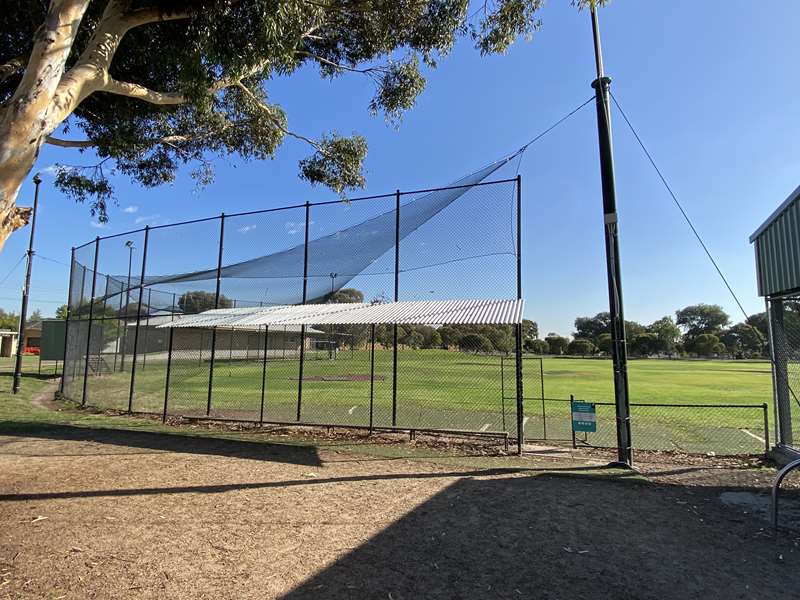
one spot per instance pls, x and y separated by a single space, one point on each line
455 242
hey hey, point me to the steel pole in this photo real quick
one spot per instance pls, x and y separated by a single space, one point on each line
66 324
216 305
396 298
138 319
611 231
23 313
89 325
303 327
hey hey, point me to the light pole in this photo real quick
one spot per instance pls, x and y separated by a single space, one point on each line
130 247
23 313
619 353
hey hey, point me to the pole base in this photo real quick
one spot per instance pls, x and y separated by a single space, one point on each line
616 464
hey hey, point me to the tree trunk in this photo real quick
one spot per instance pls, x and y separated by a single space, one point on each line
30 115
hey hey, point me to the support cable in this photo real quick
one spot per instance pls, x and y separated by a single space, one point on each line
680 208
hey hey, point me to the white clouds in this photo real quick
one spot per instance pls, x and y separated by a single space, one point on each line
246 228
50 170
146 219
98 225
130 209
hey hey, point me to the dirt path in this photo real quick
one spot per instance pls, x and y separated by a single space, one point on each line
110 514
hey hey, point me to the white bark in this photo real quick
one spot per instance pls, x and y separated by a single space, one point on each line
47 95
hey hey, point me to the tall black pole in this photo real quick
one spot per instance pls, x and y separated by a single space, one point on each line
23 313
611 227
303 327
138 319
129 246
518 327
216 305
90 322
396 298
66 322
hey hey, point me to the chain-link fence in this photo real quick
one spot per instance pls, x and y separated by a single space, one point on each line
784 322
458 242
714 427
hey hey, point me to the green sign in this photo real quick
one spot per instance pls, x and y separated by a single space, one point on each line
584 417
52 344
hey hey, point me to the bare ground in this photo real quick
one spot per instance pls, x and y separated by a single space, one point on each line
94 513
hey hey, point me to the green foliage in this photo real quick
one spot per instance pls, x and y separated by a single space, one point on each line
475 342
198 301
336 163
344 295
701 318
9 320
604 343
450 336
581 347
644 344
530 330
743 341
667 333
556 343
705 344
537 346
220 62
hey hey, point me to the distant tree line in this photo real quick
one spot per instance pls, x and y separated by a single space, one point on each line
699 330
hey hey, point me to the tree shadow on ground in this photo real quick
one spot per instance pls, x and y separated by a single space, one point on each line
568 537
167 442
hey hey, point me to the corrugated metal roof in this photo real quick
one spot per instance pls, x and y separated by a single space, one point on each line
777 246
425 312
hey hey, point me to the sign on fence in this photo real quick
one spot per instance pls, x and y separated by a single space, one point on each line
584 417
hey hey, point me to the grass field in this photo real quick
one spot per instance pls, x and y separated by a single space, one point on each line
440 389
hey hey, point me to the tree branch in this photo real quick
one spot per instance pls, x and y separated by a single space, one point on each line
277 122
335 65
12 66
134 90
53 141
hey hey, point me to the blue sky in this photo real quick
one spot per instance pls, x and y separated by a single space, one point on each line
710 86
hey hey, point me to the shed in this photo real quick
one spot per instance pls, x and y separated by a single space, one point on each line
777 250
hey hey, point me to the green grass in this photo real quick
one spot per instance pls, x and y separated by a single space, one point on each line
440 389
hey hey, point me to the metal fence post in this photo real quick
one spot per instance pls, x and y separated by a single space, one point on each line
303 327
147 326
66 324
264 375
544 410
396 298
766 428
518 345
169 367
89 328
216 305
138 319
371 376
781 371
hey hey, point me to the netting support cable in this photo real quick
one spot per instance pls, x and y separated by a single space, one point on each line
67 320
686 218
396 298
138 319
89 325
303 327
216 305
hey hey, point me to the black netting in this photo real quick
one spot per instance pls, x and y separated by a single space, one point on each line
455 242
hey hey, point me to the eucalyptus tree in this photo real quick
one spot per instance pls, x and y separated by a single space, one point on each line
151 85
